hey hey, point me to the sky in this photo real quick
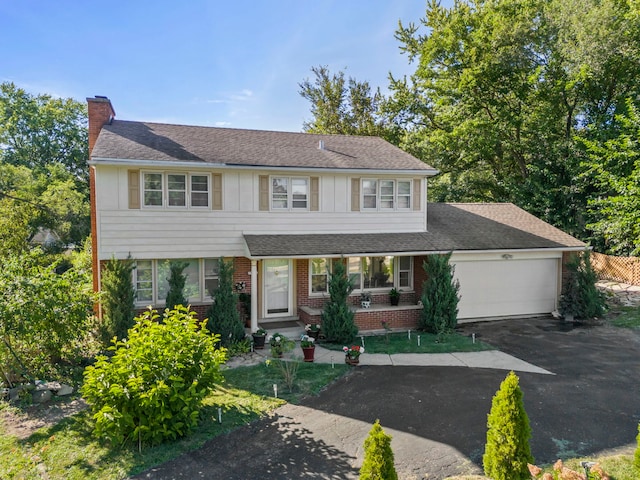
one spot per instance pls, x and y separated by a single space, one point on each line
232 63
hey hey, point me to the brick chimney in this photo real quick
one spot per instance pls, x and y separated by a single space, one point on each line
101 113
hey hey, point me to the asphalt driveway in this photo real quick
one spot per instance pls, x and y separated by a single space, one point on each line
437 415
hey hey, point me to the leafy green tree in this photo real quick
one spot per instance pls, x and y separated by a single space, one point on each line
117 299
42 312
439 295
38 130
378 456
337 317
224 318
152 388
580 296
177 280
507 450
341 106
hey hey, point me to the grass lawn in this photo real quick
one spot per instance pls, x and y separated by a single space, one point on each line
625 317
400 342
69 451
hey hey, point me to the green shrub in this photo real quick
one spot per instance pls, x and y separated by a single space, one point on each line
224 318
580 296
507 451
378 456
153 386
337 317
177 280
636 458
117 299
439 295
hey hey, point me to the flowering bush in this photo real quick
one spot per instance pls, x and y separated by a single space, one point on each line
353 351
307 341
312 327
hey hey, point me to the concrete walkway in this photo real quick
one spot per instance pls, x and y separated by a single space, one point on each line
485 359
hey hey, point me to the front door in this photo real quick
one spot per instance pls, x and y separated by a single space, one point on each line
277 288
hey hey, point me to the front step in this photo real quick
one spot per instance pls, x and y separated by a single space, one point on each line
290 327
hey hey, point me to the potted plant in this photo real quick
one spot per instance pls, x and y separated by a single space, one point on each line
352 354
394 296
313 330
365 299
279 344
259 337
308 347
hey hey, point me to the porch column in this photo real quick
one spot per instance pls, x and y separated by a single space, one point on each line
254 296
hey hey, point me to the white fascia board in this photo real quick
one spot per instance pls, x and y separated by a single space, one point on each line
423 252
95 161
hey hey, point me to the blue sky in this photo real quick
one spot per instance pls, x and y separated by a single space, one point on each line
234 63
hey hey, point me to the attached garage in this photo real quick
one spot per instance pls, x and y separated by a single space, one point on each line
509 284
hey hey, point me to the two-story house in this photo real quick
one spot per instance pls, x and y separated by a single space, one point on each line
285 206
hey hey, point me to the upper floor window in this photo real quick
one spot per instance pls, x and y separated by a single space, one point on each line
289 193
175 190
386 194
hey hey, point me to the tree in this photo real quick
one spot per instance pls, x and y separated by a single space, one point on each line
341 106
117 299
580 296
42 312
337 316
152 388
439 295
224 318
39 130
378 456
177 280
507 450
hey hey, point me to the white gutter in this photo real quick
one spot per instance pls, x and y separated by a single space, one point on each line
94 161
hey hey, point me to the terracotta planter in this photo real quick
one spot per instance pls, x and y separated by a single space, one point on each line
258 341
308 353
351 361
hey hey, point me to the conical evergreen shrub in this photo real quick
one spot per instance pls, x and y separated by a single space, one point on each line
337 317
378 456
224 317
177 280
118 297
439 295
636 460
507 450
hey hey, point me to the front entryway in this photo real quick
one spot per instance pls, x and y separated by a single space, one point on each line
277 288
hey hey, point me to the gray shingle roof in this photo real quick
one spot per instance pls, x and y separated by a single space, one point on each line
452 227
227 146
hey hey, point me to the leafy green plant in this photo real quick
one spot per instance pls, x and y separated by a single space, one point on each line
439 295
152 387
337 317
117 299
507 450
378 456
580 296
280 344
177 280
224 318
288 369
636 457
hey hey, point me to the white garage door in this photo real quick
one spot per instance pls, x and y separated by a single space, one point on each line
493 288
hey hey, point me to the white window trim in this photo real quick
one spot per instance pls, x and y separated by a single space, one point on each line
165 190
379 207
289 207
330 261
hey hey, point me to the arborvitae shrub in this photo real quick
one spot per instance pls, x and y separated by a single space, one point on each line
439 295
378 456
580 296
636 460
117 299
224 318
507 451
337 317
152 388
177 280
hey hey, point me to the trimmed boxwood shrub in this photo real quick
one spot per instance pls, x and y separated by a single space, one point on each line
152 387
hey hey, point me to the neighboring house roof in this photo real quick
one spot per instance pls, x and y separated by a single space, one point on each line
158 142
452 227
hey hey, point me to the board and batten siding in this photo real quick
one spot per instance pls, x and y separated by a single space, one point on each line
195 233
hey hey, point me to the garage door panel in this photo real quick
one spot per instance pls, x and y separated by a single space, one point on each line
507 287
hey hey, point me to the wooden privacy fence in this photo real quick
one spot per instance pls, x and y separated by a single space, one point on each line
620 269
